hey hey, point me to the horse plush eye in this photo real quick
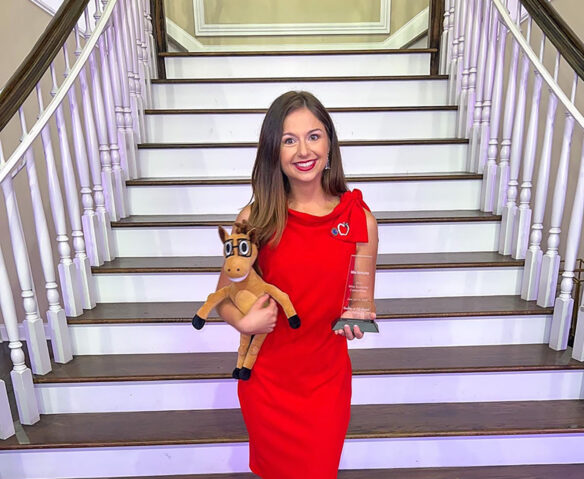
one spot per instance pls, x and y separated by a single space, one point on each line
244 248
228 249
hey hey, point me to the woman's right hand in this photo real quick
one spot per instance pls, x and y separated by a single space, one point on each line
260 319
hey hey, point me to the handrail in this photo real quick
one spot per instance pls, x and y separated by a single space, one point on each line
558 31
537 64
34 66
159 21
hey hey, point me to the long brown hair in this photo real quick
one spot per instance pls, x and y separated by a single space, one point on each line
269 205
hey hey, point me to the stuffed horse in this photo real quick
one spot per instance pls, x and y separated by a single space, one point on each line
240 250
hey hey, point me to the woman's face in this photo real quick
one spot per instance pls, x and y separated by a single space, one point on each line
304 148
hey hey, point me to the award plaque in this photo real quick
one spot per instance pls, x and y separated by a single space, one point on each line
358 304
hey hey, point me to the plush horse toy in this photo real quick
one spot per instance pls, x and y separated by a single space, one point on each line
241 250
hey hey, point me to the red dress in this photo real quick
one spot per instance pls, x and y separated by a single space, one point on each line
296 405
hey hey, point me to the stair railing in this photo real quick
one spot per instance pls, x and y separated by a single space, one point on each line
110 69
485 43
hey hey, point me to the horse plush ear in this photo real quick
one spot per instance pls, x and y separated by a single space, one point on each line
252 233
222 234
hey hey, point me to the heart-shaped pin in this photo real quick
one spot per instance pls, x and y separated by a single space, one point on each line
343 229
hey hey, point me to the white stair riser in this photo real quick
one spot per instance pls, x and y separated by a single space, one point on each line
379 195
400 283
331 94
457 451
362 125
357 160
100 397
295 66
393 238
142 338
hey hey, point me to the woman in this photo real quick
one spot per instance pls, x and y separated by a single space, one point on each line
296 405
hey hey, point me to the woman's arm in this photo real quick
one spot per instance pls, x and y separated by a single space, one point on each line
259 319
366 249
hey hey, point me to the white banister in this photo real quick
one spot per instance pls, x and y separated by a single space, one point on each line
469 20
533 257
523 212
444 41
551 260
564 304
457 52
490 172
152 57
6 424
122 97
20 374
81 259
59 334
88 218
68 274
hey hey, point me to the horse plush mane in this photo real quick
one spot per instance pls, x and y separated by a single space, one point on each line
240 250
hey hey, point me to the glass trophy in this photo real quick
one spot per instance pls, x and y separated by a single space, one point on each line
358 299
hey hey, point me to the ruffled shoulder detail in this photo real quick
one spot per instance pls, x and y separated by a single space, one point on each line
350 222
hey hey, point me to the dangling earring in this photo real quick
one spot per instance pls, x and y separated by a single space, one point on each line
328 161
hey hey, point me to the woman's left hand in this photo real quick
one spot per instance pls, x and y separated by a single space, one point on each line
352 334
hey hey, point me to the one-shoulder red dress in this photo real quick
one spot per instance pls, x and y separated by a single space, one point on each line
296 405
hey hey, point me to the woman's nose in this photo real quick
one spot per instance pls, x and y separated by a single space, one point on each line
302 148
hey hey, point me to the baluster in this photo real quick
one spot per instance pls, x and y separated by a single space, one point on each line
89 218
510 209
20 375
564 302
578 348
477 94
523 212
456 50
152 45
444 40
122 98
134 81
533 257
502 178
104 233
550 265
107 176
479 42
68 274
81 259
490 172
59 333
6 424
470 21
143 67
33 324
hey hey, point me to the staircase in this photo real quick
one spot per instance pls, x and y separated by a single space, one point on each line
460 382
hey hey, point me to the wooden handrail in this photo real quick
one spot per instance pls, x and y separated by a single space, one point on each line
34 66
558 31
159 20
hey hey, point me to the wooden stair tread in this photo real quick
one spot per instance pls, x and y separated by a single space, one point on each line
170 181
194 264
383 217
218 365
395 308
260 53
335 109
253 144
367 421
345 78
547 471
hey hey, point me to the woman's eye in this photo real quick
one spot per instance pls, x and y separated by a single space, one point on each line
314 136
288 141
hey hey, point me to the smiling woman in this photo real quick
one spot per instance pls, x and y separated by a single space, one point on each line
296 404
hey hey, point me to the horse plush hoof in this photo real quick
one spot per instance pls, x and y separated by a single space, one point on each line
235 373
244 374
294 321
198 322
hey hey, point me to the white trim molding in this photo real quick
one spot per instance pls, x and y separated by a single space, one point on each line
203 29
